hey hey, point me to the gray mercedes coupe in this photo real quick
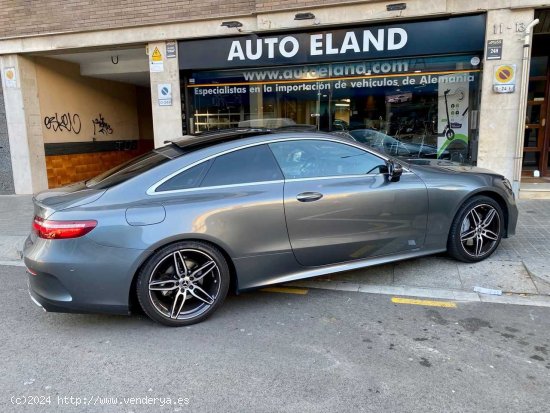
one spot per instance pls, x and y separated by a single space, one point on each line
176 228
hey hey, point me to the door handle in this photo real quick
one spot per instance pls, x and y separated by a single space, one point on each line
309 196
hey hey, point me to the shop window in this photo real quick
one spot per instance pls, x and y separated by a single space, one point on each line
429 104
254 164
318 158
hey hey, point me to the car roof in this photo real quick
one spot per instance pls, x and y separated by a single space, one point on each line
189 143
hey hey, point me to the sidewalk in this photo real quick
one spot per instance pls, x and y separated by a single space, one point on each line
519 266
16 213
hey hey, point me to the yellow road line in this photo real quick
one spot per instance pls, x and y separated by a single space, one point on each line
285 290
429 303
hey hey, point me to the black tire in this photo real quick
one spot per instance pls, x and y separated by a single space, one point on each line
471 242
183 283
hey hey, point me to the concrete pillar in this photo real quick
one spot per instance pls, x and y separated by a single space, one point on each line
167 122
499 112
6 173
24 126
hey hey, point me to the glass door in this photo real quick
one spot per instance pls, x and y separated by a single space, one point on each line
536 146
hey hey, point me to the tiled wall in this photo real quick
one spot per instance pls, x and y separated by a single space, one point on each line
6 174
23 18
66 169
47 16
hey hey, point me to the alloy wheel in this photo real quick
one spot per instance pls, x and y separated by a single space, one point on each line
184 284
480 230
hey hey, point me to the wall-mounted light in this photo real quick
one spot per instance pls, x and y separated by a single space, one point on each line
232 24
304 16
396 6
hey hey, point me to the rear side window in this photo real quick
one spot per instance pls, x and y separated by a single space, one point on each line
254 164
190 178
128 170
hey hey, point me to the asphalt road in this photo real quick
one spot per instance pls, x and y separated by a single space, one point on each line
327 351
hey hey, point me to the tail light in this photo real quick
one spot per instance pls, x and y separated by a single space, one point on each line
62 229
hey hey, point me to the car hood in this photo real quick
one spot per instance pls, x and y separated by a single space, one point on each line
448 166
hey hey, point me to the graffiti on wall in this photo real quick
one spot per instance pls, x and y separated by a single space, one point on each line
101 126
69 122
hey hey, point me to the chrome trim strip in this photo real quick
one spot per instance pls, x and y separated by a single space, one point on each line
152 189
202 188
318 178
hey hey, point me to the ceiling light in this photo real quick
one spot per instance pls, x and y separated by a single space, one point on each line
396 6
232 24
304 16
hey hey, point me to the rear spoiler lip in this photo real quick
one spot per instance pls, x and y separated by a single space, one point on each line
43 210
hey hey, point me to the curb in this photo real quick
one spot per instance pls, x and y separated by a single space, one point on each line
507 298
11 247
538 269
12 263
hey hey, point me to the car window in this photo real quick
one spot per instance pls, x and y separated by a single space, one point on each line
381 142
190 178
254 164
319 158
129 169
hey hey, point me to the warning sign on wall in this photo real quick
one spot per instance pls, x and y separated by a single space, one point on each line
504 79
156 64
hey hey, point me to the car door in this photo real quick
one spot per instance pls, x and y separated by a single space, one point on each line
234 200
340 205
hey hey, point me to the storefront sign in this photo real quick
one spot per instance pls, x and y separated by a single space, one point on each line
164 94
377 41
494 49
456 81
504 79
156 63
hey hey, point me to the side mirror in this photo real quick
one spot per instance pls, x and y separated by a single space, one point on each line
395 171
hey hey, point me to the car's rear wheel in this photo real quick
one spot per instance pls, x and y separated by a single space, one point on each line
477 230
183 283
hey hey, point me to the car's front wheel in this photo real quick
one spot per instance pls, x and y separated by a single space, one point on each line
183 283
477 230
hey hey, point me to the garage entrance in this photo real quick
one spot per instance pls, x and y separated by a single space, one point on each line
95 110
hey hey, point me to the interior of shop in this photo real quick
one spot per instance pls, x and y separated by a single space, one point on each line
416 108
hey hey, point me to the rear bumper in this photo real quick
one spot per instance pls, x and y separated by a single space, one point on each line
50 303
80 276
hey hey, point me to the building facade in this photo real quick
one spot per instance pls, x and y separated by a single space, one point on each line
96 83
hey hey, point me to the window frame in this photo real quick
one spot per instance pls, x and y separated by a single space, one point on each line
206 167
152 189
269 153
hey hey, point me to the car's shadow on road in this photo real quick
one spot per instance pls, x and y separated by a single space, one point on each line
235 308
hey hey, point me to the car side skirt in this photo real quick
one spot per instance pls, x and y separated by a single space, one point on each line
267 271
